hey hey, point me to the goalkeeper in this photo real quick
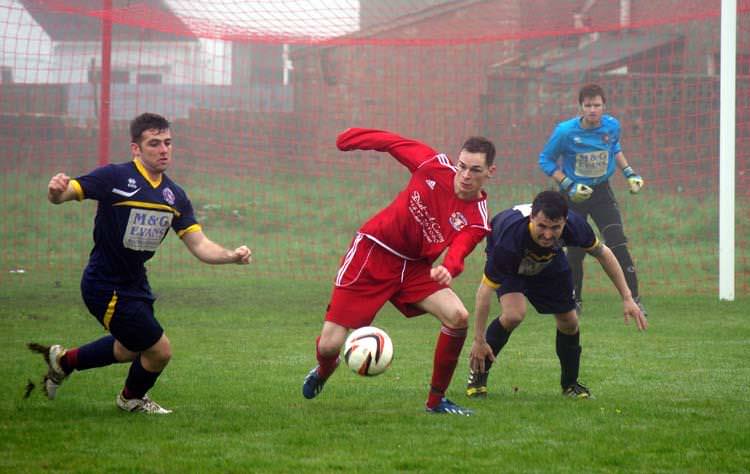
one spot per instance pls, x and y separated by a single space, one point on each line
581 156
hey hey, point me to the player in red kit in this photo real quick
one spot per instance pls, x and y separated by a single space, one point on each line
391 257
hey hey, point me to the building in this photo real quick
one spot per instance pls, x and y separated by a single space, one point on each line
138 56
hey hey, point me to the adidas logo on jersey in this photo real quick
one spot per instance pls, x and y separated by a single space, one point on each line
430 183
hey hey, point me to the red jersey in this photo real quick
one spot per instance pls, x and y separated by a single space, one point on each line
426 217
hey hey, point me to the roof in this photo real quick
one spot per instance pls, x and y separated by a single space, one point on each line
609 50
412 17
408 19
80 20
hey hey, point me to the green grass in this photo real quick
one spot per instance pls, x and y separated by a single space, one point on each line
673 399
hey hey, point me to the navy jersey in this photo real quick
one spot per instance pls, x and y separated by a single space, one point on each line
133 216
512 251
587 155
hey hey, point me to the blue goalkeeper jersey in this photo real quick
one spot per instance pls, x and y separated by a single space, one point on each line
512 251
585 155
133 216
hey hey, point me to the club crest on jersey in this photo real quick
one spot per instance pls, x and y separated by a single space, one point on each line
131 183
458 221
168 196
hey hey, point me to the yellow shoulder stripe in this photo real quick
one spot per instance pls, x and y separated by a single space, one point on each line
149 205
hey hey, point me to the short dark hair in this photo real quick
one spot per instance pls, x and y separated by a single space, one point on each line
589 91
146 121
552 203
481 145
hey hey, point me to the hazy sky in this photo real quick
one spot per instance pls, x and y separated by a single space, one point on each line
305 18
24 46
27 49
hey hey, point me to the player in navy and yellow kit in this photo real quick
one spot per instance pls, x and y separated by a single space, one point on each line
526 260
581 155
137 205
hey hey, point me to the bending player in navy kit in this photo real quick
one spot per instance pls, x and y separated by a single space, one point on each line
525 260
138 203
588 150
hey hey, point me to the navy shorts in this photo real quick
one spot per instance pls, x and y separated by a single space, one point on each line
549 294
130 319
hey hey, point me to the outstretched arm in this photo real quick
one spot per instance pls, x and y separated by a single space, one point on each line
408 152
480 349
453 264
610 265
461 247
61 189
208 251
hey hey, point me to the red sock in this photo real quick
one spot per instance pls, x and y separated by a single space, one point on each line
69 360
326 364
449 345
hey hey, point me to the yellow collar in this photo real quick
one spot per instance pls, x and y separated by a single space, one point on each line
142 170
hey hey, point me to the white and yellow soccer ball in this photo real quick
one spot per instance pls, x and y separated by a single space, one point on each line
368 351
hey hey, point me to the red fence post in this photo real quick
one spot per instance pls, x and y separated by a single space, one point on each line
105 85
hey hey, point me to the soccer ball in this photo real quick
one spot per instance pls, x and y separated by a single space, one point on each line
368 351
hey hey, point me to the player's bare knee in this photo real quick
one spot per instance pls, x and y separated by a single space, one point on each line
569 330
567 323
328 346
158 355
331 339
123 354
459 319
512 319
154 361
166 355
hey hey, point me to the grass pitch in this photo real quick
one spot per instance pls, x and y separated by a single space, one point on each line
673 399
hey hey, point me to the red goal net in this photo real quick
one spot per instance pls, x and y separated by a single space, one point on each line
257 92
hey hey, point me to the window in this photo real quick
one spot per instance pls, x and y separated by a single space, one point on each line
6 75
148 78
117 76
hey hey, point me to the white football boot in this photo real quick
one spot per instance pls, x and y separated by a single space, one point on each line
55 374
142 405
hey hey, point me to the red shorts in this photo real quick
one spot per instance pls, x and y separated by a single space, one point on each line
371 275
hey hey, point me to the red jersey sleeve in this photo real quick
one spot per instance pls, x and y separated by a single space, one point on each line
461 247
408 152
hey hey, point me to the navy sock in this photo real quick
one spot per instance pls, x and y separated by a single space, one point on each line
496 337
139 380
569 352
99 353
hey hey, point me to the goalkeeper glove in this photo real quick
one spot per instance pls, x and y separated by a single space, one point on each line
576 192
634 181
